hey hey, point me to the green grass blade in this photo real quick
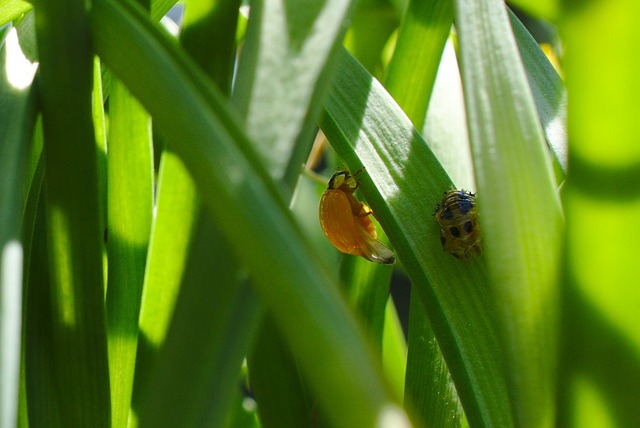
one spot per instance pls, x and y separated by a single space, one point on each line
279 391
547 89
213 324
12 9
410 80
445 127
43 399
430 391
367 288
601 340
66 66
518 205
403 183
177 208
17 119
412 71
283 74
394 349
242 199
33 188
215 314
159 8
129 207
370 30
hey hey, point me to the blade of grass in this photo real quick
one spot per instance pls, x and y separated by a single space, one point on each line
241 198
12 9
181 394
172 232
601 341
66 66
429 387
411 80
372 25
412 71
518 205
42 398
33 188
394 348
547 89
17 119
129 208
445 129
280 103
213 324
367 288
281 77
368 129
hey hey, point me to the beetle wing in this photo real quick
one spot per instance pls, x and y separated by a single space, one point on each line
338 223
372 249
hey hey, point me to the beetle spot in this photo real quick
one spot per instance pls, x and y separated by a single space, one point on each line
455 231
468 226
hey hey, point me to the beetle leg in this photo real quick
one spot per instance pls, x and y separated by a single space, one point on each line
365 210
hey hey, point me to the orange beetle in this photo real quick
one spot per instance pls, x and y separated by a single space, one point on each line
346 222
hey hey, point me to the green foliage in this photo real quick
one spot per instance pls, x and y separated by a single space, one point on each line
197 289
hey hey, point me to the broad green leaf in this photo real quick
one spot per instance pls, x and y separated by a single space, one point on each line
241 198
403 183
519 209
600 376
66 68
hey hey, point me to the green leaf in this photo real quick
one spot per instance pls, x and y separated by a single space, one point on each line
242 199
130 208
175 221
394 349
215 340
548 90
284 75
403 177
430 389
12 9
519 209
66 66
412 71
